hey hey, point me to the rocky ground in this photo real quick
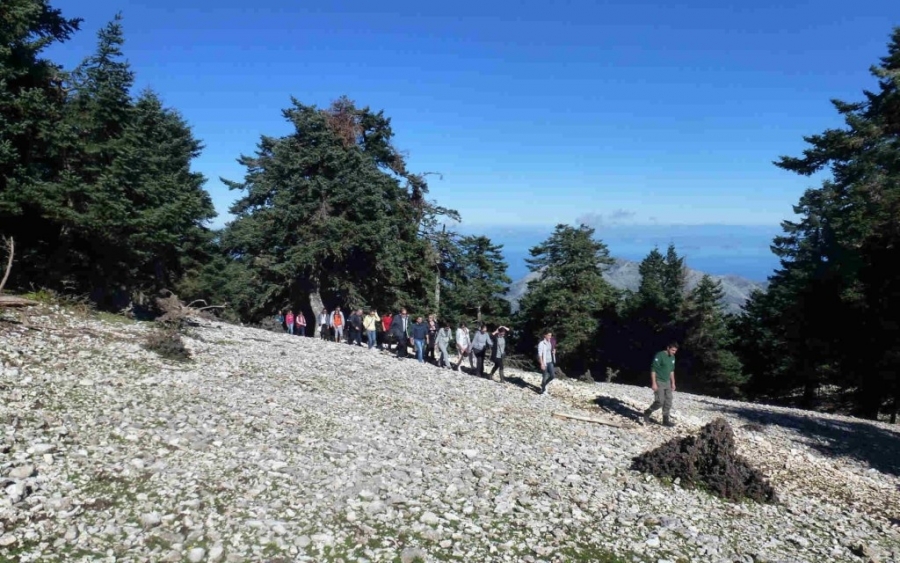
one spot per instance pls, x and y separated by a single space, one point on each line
268 447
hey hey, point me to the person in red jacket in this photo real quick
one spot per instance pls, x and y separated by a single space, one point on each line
386 330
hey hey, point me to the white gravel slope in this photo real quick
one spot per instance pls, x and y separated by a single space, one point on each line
269 447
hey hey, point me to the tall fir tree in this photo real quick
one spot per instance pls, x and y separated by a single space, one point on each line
710 364
32 102
569 296
837 260
330 213
478 281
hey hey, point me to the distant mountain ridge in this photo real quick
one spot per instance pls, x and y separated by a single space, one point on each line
624 274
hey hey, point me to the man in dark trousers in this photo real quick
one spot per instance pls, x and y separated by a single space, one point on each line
400 327
662 381
356 325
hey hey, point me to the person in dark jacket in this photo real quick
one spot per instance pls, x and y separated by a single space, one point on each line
420 338
432 337
355 322
400 326
499 351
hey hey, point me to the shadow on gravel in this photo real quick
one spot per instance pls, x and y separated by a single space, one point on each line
519 382
859 440
619 407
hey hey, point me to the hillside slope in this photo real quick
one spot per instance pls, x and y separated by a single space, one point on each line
624 274
268 447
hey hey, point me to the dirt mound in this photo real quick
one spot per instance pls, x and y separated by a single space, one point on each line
709 461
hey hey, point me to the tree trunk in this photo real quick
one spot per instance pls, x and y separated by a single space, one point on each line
437 292
479 315
315 301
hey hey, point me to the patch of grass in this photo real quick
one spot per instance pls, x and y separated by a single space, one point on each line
113 318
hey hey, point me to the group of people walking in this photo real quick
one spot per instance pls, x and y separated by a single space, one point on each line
432 341
429 340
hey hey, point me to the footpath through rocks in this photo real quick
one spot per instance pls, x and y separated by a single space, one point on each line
270 447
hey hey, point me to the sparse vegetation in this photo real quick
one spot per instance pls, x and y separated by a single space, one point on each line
167 342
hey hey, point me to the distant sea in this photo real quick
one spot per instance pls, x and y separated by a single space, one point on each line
715 249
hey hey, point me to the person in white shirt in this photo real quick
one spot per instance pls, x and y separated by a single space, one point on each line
463 346
545 357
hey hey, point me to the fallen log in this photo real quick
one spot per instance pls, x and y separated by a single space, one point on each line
12 301
587 419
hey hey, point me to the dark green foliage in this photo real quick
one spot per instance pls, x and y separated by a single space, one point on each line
839 259
712 367
166 341
708 460
570 297
100 199
329 212
477 279
648 319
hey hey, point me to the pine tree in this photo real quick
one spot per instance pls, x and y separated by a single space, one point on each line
325 215
711 366
32 101
479 280
674 282
838 259
570 296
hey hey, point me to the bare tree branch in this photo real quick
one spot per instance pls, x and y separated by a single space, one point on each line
11 247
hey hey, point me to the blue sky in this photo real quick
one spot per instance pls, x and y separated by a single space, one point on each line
632 112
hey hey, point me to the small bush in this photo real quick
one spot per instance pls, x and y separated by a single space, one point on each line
167 342
708 460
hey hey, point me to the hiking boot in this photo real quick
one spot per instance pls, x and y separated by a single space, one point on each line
646 417
668 422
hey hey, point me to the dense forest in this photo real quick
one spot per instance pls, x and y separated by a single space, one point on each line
97 191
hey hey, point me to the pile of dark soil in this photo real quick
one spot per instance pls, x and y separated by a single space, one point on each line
709 461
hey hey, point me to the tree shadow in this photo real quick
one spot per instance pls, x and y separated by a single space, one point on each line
859 440
519 382
619 407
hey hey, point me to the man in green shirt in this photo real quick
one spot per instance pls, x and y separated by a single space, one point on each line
662 381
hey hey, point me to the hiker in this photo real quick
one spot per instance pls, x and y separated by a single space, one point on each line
370 323
420 338
400 331
662 381
432 336
547 361
463 345
301 323
279 318
386 331
323 324
289 321
442 341
480 344
499 351
336 322
355 322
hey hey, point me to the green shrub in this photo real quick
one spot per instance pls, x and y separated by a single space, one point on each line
709 461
